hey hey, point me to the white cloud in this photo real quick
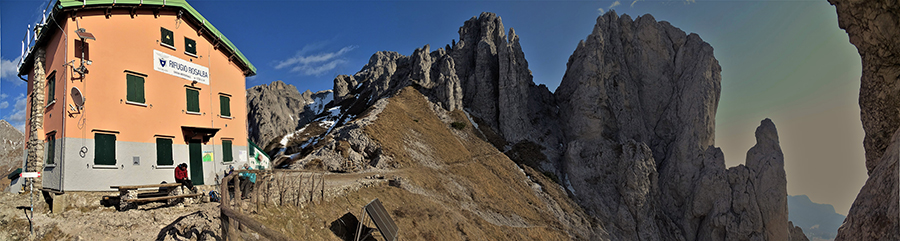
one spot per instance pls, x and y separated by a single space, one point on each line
614 4
4 104
3 96
314 64
17 118
8 68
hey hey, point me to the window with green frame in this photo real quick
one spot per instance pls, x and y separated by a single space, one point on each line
167 37
51 149
135 85
190 46
225 105
193 100
51 88
164 152
226 149
104 149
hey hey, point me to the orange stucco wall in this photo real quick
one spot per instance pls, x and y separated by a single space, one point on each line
125 43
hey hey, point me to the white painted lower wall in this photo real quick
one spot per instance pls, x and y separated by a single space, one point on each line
74 172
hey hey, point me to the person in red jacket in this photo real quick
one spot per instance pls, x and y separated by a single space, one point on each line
181 176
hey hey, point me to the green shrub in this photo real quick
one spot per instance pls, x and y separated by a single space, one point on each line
458 125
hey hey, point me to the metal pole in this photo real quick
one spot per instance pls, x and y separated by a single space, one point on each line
30 222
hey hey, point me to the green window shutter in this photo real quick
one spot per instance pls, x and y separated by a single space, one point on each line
190 46
193 100
104 149
164 152
226 148
167 37
135 89
225 105
51 88
51 149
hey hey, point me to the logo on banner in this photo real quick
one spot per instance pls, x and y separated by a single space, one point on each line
184 69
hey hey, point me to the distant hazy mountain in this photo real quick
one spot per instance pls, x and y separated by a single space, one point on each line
818 221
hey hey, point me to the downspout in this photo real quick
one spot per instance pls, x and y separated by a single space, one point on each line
212 116
65 73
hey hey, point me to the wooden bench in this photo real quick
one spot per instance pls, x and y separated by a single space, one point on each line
128 195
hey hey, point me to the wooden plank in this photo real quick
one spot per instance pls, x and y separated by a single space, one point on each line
145 186
151 199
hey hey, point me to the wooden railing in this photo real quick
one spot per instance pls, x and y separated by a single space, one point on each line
272 187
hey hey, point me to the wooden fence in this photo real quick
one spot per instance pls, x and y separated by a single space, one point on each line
272 188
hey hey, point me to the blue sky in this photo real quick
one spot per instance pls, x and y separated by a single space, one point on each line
785 60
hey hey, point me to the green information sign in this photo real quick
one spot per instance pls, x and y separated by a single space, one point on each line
207 156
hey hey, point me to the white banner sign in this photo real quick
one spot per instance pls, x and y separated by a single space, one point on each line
30 174
184 69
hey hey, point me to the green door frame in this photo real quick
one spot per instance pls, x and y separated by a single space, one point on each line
195 151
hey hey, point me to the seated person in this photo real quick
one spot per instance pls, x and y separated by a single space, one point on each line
181 176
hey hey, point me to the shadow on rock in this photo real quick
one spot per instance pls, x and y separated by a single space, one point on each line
194 226
345 228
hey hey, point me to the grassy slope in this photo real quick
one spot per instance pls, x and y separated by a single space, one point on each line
455 186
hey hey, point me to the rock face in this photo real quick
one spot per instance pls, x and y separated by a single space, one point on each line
485 73
278 108
646 84
498 87
797 233
874 28
12 145
629 132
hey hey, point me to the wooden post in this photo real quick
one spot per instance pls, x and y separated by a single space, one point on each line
299 188
224 201
323 187
311 188
237 191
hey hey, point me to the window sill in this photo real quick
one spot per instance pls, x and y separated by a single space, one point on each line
135 103
105 167
191 54
164 167
167 46
226 117
192 113
49 165
50 104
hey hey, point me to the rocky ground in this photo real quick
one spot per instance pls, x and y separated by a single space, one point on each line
93 221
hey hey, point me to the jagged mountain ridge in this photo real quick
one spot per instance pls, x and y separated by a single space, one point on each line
818 220
629 132
874 28
278 108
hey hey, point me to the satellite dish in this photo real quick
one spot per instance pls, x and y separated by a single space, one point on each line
78 97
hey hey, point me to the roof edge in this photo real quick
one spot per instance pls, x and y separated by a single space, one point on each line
65 5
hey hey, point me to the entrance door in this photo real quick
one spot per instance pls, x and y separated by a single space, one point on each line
196 166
